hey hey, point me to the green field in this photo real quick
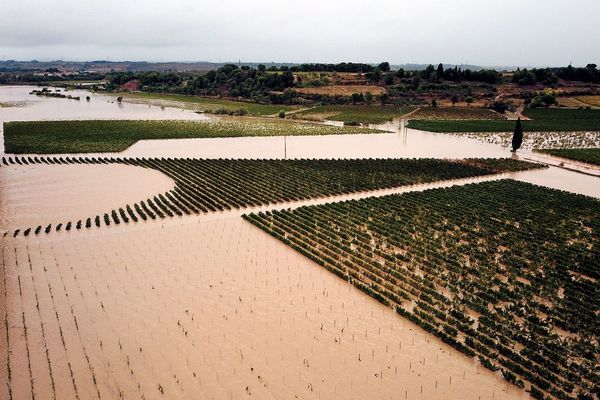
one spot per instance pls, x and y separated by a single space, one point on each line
590 156
562 113
555 125
216 185
543 120
11 104
361 114
211 104
456 113
95 136
504 271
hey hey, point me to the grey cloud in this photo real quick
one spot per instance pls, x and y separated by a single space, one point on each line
533 32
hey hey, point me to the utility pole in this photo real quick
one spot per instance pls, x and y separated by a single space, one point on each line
285 147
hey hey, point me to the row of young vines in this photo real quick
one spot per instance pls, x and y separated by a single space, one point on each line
504 271
203 185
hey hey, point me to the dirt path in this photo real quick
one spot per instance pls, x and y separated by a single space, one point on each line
408 114
518 113
291 112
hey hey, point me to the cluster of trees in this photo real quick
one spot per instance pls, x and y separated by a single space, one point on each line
457 74
341 67
276 84
229 80
550 76
257 83
9 77
533 76
589 73
541 100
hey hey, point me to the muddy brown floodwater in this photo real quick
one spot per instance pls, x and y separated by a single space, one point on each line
212 309
208 306
412 144
100 106
35 108
31 195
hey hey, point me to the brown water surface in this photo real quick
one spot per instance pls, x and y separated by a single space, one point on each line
216 310
208 306
100 106
31 195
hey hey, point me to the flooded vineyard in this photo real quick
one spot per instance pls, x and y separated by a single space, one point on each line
151 285
201 186
424 254
216 309
33 193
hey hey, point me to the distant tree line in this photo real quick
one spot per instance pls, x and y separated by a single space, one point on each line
18 76
276 84
550 76
229 80
457 74
588 74
318 67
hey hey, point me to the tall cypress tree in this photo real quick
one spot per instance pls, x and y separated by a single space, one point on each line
517 139
440 71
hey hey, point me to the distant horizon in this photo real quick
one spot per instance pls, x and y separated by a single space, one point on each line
489 33
246 62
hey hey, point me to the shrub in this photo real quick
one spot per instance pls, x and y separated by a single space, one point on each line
499 106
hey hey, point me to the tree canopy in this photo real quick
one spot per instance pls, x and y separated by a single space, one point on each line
517 139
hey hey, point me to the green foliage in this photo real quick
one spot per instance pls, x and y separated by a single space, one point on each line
374 76
357 98
228 111
523 259
383 98
588 74
457 74
590 155
536 75
549 100
499 107
228 80
91 136
384 66
543 100
567 114
517 139
543 120
455 113
340 67
359 113
212 104
523 77
216 185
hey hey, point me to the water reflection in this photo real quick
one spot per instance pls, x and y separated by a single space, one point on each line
399 142
414 144
100 106
40 194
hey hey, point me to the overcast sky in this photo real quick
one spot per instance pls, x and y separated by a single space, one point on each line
483 32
